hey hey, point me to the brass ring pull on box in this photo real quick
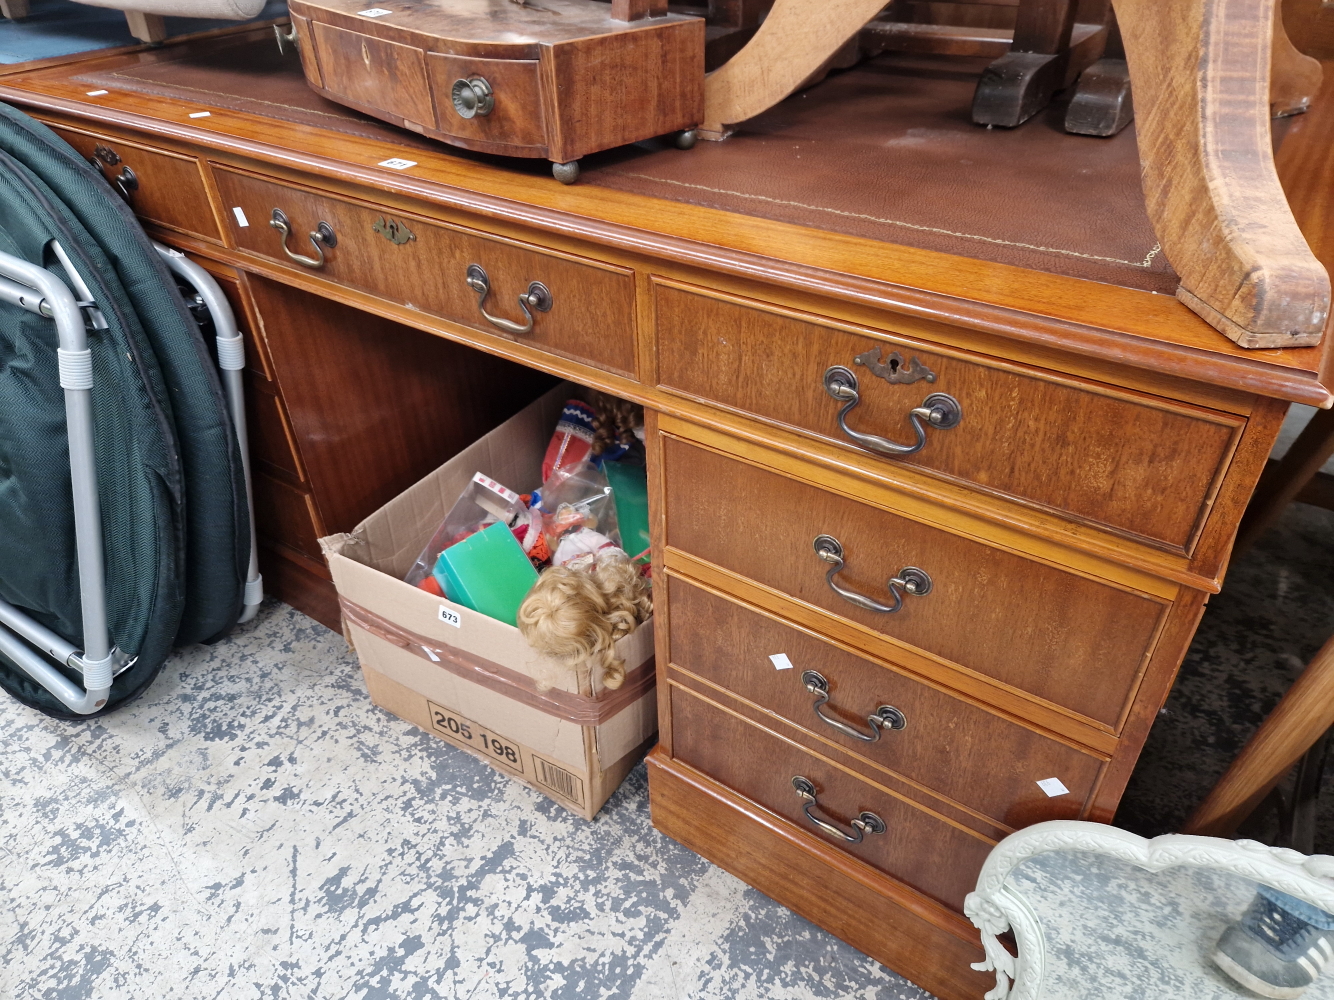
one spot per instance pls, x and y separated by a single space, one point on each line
884 717
538 297
910 580
938 410
473 97
322 237
867 822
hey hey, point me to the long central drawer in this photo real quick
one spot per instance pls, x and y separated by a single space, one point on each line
1071 640
584 309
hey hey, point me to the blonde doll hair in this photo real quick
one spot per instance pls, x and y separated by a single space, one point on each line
575 616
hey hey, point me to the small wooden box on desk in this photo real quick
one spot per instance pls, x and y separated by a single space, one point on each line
873 662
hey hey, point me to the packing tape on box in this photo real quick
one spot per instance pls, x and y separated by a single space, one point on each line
581 709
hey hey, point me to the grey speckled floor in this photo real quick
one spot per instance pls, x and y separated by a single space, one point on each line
1276 609
255 828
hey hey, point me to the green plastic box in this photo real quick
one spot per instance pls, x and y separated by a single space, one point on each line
487 572
629 486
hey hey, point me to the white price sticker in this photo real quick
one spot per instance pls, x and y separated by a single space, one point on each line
374 12
241 220
451 617
1053 787
780 661
395 163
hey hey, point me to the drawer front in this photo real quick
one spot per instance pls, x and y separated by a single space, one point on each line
374 73
1072 447
425 265
1065 638
917 848
516 117
161 187
945 743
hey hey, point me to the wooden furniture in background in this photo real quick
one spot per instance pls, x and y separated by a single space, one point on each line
1201 76
1071 522
556 80
1306 711
1303 716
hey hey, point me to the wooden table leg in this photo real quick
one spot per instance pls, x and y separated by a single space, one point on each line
794 41
1301 718
1041 60
146 27
1200 70
1280 485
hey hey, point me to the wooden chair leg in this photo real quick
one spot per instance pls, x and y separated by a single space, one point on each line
1294 79
1201 77
146 27
1280 485
795 40
1301 718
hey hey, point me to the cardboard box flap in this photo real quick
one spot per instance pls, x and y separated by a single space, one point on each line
391 539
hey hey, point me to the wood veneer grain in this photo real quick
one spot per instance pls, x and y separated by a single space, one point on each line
376 406
935 858
1018 426
909 933
946 742
1024 623
591 317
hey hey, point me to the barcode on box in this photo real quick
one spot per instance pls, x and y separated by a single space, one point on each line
559 780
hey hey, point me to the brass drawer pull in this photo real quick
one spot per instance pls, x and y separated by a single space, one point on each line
884 717
911 580
473 97
867 822
322 237
538 297
126 182
938 410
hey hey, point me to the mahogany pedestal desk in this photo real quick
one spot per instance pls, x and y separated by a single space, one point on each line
797 308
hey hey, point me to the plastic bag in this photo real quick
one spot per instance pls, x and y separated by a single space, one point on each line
483 502
579 514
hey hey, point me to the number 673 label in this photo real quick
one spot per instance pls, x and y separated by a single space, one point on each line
466 733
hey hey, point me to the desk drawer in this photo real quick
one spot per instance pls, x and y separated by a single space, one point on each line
1078 448
1060 636
166 188
917 848
425 265
945 743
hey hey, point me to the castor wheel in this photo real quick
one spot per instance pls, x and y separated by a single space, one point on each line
686 139
566 173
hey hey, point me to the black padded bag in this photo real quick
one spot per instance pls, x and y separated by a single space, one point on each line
175 522
217 525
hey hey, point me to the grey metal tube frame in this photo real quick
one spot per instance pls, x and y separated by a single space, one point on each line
39 291
231 361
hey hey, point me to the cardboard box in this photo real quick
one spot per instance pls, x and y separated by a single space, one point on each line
472 680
